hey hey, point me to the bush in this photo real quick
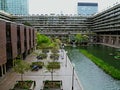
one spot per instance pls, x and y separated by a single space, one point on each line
53 65
54 56
54 50
39 64
42 56
45 50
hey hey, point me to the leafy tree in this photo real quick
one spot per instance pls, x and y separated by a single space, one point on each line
27 23
21 67
43 41
85 38
79 38
51 66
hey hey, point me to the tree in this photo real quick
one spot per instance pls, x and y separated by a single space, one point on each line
79 38
27 24
85 38
51 66
43 41
21 67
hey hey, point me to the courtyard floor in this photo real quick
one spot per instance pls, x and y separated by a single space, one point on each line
65 74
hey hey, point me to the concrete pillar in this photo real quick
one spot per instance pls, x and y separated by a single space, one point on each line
109 39
2 70
5 68
117 40
103 39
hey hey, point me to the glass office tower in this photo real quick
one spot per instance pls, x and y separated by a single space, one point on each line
17 7
87 9
3 5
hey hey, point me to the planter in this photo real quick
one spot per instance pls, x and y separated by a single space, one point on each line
35 66
24 85
52 85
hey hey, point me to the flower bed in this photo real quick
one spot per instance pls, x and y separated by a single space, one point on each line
24 85
52 85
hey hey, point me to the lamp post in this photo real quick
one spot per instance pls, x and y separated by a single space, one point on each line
63 51
66 59
73 77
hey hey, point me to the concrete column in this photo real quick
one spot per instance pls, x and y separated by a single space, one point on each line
2 70
5 68
103 39
109 39
117 40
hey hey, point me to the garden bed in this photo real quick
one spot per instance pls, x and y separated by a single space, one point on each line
24 85
52 85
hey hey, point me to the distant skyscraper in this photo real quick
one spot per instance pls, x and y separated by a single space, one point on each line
87 9
3 5
17 7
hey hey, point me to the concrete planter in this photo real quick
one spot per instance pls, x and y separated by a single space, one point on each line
31 85
52 85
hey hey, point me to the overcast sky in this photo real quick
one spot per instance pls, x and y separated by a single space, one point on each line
64 6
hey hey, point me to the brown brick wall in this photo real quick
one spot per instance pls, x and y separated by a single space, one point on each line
14 39
34 37
3 58
31 37
22 38
27 34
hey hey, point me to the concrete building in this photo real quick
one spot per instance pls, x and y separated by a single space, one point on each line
17 7
16 40
3 5
87 9
107 26
57 24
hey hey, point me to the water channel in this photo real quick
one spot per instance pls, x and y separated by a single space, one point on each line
91 77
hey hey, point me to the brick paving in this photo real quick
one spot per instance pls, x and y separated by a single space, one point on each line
64 74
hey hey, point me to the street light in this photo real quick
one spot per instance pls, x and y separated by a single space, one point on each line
73 77
66 59
62 50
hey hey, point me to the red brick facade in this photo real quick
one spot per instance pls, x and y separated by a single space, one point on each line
14 40
28 37
3 58
22 38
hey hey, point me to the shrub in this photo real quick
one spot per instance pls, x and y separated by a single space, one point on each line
42 55
37 63
54 56
54 50
45 50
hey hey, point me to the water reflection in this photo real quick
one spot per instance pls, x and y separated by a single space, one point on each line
91 77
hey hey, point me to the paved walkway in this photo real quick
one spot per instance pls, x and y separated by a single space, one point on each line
64 74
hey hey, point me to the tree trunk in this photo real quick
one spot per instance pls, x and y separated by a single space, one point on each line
52 75
21 77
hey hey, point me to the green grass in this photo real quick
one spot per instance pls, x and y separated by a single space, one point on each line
112 71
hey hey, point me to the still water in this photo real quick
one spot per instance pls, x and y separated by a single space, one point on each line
91 77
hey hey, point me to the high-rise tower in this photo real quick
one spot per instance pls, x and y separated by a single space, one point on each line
17 7
87 9
3 5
